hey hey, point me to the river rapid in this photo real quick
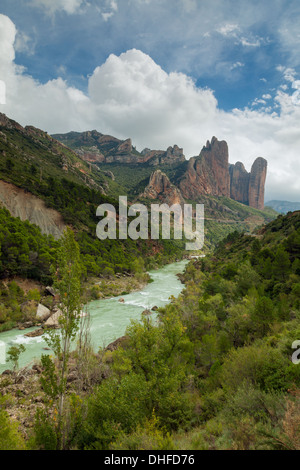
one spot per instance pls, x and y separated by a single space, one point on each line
109 318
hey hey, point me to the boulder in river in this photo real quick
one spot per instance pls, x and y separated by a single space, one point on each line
52 321
43 313
117 343
146 312
35 333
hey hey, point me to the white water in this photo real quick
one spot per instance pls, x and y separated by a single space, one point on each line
109 318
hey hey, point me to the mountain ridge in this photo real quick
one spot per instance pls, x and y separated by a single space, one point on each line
209 173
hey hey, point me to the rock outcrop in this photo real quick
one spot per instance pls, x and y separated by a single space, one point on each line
10 123
173 156
239 183
257 183
211 174
208 173
160 188
29 207
95 147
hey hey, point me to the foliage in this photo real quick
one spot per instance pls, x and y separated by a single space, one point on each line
14 353
10 437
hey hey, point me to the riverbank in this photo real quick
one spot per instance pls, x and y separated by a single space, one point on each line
109 317
21 298
29 296
96 289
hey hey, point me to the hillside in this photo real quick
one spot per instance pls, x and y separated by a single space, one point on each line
47 185
208 174
215 373
40 165
197 180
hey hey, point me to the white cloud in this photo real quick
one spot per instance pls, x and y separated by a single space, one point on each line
189 5
7 37
107 8
228 29
24 43
237 65
2 92
232 30
258 101
132 96
52 6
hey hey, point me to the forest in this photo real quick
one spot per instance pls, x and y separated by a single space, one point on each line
215 373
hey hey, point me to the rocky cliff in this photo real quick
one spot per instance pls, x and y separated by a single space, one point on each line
257 183
208 173
172 156
161 188
28 207
239 183
95 147
211 174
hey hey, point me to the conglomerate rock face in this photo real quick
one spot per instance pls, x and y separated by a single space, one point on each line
208 173
239 183
211 174
257 183
161 188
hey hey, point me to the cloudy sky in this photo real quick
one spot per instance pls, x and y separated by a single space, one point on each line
162 72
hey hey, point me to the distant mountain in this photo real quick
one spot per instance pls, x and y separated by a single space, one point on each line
36 168
283 207
95 147
209 173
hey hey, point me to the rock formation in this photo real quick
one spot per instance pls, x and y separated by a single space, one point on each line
161 188
208 173
239 183
173 156
257 183
95 147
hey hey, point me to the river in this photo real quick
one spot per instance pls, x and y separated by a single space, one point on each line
109 318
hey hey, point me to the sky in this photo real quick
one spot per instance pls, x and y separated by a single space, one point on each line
162 72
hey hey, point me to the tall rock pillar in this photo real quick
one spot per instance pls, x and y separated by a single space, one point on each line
257 183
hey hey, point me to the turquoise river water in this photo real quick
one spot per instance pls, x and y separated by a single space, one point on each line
108 318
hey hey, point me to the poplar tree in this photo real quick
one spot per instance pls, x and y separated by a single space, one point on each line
67 277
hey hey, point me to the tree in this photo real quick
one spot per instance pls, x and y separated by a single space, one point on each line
263 314
67 277
281 264
14 353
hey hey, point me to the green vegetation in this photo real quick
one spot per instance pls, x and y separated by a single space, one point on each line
14 353
214 373
10 437
33 161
